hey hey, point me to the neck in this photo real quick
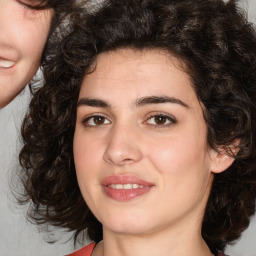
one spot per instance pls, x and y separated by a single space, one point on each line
179 242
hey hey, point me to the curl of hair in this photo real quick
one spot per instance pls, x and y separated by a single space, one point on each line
218 47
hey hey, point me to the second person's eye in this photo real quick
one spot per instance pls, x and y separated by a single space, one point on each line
29 4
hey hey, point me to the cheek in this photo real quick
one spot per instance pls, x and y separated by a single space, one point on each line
34 36
88 163
87 156
184 172
179 155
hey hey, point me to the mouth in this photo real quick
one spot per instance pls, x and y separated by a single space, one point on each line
125 188
6 63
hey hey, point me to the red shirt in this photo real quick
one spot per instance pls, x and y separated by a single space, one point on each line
87 251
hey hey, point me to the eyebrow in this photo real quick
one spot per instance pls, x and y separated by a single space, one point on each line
138 103
92 103
158 100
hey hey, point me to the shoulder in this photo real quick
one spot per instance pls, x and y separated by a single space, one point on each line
85 251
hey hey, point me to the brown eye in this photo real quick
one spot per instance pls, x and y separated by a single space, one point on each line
161 120
96 121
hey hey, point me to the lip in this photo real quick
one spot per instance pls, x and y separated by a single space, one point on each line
9 55
125 194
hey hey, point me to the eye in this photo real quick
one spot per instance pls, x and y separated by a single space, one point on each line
96 120
28 4
161 120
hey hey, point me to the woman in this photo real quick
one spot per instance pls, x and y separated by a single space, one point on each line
24 29
144 132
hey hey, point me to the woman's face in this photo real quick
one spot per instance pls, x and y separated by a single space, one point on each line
140 145
22 38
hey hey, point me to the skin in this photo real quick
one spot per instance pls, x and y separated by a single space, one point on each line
171 153
23 35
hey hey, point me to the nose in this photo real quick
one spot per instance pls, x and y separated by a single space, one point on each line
123 146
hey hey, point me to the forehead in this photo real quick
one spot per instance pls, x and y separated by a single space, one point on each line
138 73
137 61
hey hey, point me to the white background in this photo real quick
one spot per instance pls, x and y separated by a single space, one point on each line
20 238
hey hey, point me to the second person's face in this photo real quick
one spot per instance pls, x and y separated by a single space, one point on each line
22 39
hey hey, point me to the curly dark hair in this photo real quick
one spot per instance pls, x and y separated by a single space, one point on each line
218 46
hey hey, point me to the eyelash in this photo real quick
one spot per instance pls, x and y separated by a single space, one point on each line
25 6
170 120
87 119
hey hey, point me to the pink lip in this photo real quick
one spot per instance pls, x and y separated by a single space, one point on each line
2 58
125 194
9 57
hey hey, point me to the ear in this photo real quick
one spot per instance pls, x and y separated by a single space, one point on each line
223 158
220 161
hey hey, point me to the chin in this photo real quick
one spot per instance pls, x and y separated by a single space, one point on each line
127 226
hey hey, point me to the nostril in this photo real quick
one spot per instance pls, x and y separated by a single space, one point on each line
127 160
122 156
